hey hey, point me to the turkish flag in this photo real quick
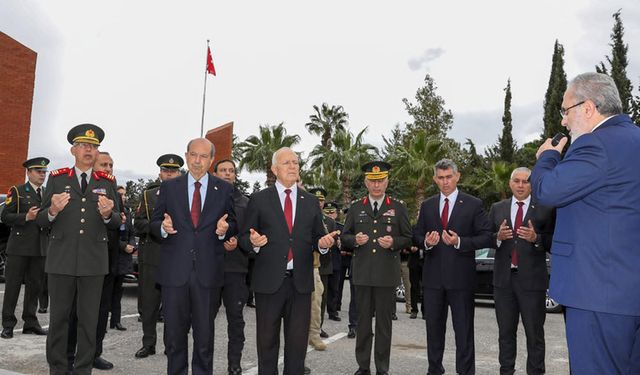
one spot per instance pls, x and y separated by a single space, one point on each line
210 68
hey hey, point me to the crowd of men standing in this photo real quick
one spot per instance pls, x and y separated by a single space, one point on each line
202 243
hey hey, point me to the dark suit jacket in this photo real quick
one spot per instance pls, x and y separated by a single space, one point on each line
445 266
326 261
596 189
191 246
78 239
237 260
149 245
532 259
265 215
26 238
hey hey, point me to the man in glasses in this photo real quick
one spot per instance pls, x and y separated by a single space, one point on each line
25 250
595 255
79 206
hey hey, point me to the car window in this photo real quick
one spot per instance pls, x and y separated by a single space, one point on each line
482 253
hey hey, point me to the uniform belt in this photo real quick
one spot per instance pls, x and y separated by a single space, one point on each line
288 273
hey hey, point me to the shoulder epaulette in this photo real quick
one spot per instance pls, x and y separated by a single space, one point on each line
59 172
102 174
396 199
10 196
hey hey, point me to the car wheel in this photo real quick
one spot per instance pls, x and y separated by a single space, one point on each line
552 306
400 293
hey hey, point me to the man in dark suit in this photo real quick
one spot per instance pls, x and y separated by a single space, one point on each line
330 209
25 250
594 254
193 216
283 226
451 226
149 254
522 231
376 229
79 206
236 263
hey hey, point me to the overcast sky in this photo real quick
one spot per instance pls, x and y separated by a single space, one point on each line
136 68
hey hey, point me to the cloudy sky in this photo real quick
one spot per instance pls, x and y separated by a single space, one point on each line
136 67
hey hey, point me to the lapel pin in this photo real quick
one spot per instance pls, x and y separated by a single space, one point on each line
215 187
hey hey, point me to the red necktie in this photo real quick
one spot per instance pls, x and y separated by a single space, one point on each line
288 215
196 204
445 214
516 226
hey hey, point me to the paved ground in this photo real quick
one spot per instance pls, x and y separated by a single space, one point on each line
25 354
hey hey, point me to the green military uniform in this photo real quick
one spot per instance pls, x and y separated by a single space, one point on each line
77 254
26 250
375 270
149 256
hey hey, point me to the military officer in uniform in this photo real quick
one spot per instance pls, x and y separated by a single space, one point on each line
149 245
25 250
79 206
236 265
376 228
330 209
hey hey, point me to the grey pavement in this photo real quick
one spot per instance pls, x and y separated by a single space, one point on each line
25 354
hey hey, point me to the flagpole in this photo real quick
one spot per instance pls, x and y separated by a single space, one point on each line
204 95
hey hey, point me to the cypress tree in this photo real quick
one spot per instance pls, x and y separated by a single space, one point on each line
507 145
555 91
619 62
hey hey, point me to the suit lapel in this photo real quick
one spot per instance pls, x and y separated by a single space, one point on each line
73 182
367 207
276 207
530 214
300 205
505 211
185 198
457 207
212 187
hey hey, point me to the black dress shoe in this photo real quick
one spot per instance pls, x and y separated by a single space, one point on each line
235 371
7 333
140 318
323 334
102 364
413 315
42 310
307 370
160 318
335 317
146 351
352 333
119 327
394 316
362 372
35 331
251 304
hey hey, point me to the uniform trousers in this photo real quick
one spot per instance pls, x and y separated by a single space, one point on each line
381 301
19 268
64 290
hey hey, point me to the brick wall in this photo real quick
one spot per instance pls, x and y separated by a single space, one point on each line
17 76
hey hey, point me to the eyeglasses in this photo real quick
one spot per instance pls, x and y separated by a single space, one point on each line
88 146
563 111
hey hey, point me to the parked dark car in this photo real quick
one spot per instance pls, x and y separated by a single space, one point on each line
484 271
4 237
484 289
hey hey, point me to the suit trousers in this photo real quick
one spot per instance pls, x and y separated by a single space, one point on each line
292 307
315 324
150 304
103 314
43 297
64 290
234 297
511 304
332 293
19 268
323 303
381 301
353 312
189 306
602 343
415 274
116 299
461 302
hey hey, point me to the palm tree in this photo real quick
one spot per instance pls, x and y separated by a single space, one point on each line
415 162
343 160
326 121
257 151
494 183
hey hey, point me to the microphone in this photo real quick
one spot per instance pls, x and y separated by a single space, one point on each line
556 139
